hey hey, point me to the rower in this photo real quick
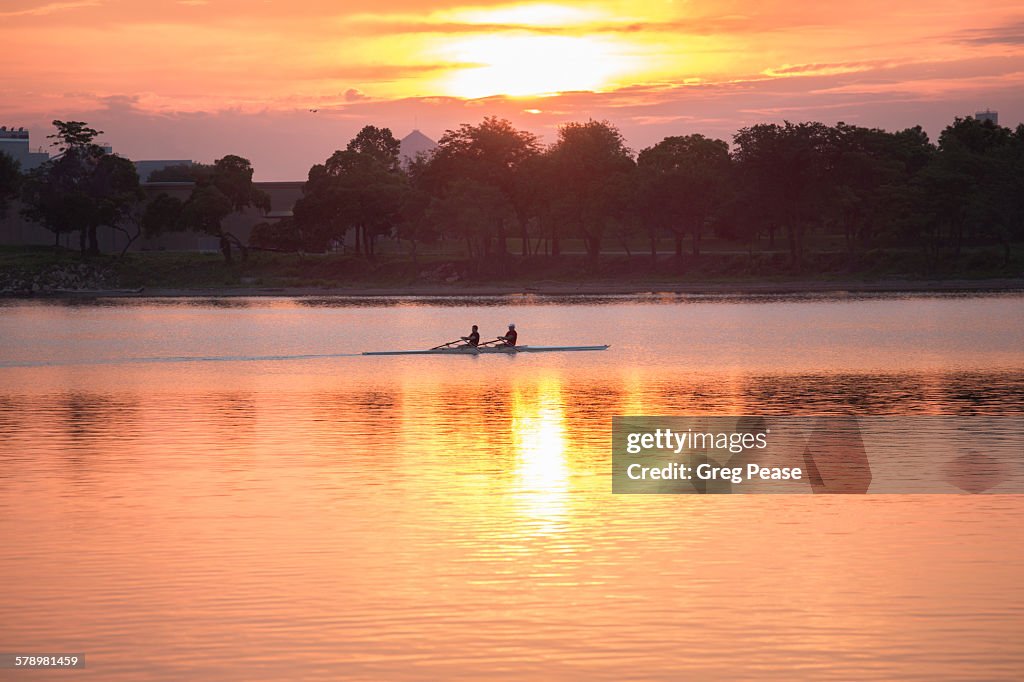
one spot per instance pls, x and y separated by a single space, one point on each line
473 339
510 336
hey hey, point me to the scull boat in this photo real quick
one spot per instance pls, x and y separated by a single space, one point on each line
470 350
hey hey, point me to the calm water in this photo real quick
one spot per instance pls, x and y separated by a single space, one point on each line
219 489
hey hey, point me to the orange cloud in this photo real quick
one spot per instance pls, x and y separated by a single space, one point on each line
49 8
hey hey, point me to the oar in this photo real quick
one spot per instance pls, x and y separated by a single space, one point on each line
445 345
487 343
500 339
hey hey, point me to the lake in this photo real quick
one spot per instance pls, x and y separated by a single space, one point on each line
224 489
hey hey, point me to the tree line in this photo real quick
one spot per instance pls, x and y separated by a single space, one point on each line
84 187
487 183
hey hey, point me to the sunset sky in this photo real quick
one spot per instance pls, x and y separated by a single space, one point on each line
202 78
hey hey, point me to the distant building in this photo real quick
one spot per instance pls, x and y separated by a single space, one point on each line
145 168
413 144
987 115
15 143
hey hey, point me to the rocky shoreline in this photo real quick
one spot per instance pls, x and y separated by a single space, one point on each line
56 279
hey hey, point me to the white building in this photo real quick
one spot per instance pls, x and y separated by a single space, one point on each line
14 142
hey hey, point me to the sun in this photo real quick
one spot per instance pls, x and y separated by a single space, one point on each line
527 64
531 49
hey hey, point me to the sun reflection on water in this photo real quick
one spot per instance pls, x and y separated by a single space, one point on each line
539 439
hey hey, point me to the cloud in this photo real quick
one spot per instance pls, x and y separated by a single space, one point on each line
353 95
369 72
1007 34
394 25
283 144
824 69
119 102
50 8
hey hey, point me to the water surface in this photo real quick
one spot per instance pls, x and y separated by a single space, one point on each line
224 489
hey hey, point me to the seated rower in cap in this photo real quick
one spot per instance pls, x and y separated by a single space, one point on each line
510 336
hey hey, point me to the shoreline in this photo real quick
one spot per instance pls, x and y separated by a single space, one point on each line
997 285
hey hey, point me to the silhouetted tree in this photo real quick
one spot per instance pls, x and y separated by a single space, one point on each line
118 196
782 171
10 181
162 215
415 224
491 154
468 210
537 203
684 181
978 169
280 235
868 176
360 188
378 144
82 188
181 173
219 189
589 160
205 211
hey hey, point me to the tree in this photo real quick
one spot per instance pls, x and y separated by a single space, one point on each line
72 135
50 199
280 235
181 173
82 188
492 154
589 160
118 195
415 224
205 211
361 187
973 188
539 204
1005 191
868 172
378 144
162 215
232 176
10 181
317 212
467 210
781 169
684 181
219 190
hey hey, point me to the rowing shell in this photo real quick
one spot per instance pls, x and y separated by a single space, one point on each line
469 350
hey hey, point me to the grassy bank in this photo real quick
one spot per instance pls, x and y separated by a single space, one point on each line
265 270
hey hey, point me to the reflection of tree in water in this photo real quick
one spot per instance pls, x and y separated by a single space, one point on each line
228 411
884 393
984 392
715 395
89 420
89 416
11 415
